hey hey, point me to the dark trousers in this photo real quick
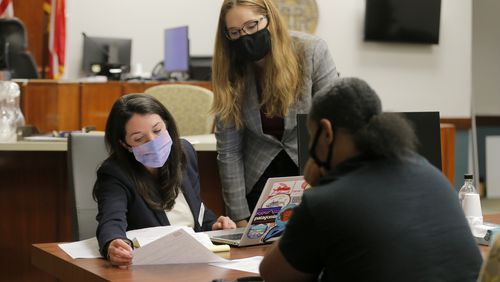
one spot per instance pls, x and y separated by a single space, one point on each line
282 165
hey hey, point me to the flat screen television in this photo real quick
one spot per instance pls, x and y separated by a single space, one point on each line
106 56
413 21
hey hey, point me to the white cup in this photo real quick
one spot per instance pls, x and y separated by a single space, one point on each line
472 205
137 71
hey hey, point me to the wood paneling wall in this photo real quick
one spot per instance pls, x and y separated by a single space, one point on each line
34 209
52 105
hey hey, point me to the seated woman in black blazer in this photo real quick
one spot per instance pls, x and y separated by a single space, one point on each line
149 179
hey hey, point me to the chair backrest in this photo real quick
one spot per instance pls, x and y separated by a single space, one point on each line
12 31
14 55
188 104
22 65
86 151
490 271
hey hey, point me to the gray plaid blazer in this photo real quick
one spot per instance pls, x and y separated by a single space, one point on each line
245 153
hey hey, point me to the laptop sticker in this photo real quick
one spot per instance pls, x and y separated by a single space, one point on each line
284 214
279 200
274 232
256 231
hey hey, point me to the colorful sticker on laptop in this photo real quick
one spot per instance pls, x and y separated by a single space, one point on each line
256 231
282 188
273 233
266 215
279 200
284 215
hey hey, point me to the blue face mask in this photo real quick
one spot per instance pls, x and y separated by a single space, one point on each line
154 153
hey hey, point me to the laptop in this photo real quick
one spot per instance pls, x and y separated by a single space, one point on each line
269 217
425 124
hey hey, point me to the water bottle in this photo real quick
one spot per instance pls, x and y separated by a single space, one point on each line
14 102
471 203
11 116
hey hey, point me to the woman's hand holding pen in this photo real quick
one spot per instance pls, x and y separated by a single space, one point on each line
120 253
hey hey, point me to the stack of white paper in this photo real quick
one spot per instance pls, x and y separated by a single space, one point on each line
166 245
158 245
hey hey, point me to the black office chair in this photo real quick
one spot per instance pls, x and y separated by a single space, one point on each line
22 65
14 55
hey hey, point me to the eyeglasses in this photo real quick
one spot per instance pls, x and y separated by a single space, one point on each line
248 28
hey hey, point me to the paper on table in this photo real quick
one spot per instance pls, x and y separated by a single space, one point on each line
89 248
82 249
250 264
145 236
174 248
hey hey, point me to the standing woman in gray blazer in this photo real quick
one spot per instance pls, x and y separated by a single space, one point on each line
262 77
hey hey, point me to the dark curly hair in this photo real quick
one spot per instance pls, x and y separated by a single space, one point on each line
352 105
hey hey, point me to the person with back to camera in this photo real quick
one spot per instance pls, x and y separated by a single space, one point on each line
149 179
262 76
377 210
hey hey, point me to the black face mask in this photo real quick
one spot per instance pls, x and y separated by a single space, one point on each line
312 150
252 47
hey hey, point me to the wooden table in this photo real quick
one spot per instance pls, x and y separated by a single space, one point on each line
50 258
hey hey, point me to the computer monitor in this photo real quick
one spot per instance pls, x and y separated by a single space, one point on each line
200 68
106 56
427 129
176 50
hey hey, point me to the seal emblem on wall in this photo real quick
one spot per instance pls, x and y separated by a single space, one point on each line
301 15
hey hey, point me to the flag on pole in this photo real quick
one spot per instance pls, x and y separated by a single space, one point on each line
6 9
57 37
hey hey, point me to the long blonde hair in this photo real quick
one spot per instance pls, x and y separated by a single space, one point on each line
282 68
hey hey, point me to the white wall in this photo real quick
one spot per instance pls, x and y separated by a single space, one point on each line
407 77
486 57
143 21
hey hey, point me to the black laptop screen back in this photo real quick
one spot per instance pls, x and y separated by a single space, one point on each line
427 129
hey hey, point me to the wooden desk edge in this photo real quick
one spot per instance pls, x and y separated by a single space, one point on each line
50 258
66 270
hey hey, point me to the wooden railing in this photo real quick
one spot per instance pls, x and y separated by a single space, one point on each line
52 105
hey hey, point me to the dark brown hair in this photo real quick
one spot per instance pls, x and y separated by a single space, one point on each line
170 175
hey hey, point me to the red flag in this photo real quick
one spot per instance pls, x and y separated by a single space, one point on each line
6 9
57 37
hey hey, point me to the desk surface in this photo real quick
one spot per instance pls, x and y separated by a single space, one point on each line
50 258
200 143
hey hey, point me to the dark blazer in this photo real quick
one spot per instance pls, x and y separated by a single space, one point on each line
121 208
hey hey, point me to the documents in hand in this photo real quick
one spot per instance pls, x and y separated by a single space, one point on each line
158 245
174 248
